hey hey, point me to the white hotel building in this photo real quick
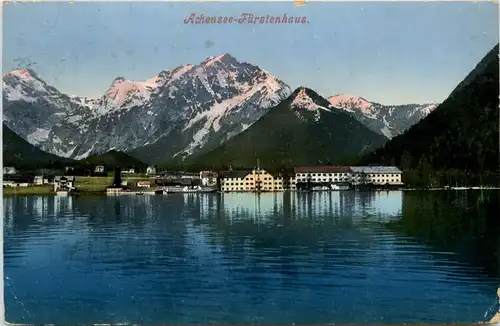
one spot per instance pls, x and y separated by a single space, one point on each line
376 175
322 174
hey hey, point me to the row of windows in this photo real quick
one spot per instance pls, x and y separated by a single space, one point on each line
380 175
247 181
252 179
251 183
277 182
384 180
323 180
301 175
321 174
247 189
381 180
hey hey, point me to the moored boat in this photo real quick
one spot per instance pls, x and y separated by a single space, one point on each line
187 189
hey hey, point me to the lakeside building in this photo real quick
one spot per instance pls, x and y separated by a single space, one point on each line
189 175
178 179
40 180
144 184
234 180
128 171
320 174
151 170
8 183
208 178
255 180
322 177
376 175
65 183
14 184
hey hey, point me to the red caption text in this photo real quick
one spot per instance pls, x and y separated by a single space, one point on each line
245 18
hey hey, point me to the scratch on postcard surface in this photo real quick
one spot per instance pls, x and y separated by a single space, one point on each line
4 2
10 286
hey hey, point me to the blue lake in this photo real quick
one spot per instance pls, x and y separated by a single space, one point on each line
340 257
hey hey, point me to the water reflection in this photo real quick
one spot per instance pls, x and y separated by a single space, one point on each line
244 258
263 207
463 222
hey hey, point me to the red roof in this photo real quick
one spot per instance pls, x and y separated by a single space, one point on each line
322 169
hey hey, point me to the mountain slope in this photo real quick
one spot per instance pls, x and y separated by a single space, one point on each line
461 133
387 120
178 113
19 153
303 129
31 107
113 158
211 103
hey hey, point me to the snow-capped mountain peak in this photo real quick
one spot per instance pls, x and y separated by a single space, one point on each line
25 85
388 120
304 101
181 111
26 77
167 77
118 80
23 73
350 102
125 94
224 59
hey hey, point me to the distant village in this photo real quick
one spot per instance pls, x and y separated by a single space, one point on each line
257 179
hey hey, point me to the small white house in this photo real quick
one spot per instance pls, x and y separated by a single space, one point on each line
9 184
38 180
99 169
151 170
64 183
9 170
208 178
144 184
128 171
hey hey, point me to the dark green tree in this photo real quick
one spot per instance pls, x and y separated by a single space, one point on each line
117 180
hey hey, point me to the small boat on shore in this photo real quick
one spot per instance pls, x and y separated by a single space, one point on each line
197 189
333 187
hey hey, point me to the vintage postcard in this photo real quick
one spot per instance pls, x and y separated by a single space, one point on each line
250 162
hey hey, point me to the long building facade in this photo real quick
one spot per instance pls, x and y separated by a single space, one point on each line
376 175
310 177
255 180
322 174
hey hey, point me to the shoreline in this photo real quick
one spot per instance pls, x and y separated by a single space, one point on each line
45 190
452 188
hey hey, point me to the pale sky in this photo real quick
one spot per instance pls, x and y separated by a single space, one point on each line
387 52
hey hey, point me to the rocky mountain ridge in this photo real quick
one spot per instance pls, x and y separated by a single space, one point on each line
191 108
387 120
303 129
179 113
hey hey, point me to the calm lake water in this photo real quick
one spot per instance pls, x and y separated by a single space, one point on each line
385 257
